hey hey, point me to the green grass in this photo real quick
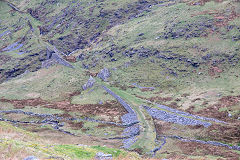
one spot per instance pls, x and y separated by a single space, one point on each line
57 82
28 143
92 96
42 110
87 152
46 82
147 136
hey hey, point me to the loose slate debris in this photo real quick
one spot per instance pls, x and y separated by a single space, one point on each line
131 131
4 33
127 143
129 119
174 118
188 114
103 156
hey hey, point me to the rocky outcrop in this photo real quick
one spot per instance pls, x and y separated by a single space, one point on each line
91 81
104 74
32 63
53 57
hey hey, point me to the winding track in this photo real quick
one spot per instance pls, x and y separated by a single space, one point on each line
168 114
139 130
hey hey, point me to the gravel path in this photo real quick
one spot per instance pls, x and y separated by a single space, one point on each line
130 119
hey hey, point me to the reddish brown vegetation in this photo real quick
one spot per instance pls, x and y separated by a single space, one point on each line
213 110
229 134
221 17
93 74
111 109
212 71
76 125
202 2
197 149
157 98
71 59
161 127
147 89
229 101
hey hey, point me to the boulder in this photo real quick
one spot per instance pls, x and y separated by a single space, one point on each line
104 74
89 84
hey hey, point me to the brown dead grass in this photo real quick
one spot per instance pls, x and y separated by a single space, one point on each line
111 109
196 149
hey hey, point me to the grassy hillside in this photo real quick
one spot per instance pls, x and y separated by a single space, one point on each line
180 54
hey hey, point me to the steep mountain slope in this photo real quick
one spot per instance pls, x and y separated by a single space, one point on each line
160 78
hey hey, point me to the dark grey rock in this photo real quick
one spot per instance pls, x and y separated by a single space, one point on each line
131 131
129 119
104 74
91 81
